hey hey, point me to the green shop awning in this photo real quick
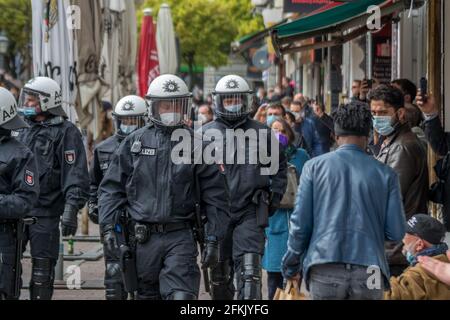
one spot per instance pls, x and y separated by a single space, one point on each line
336 21
249 40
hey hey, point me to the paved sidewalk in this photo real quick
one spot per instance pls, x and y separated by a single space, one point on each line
92 273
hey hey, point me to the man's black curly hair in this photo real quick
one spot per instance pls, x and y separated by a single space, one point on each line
353 119
407 86
389 94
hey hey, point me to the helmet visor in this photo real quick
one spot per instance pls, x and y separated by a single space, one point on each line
234 105
29 103
128 124
170 112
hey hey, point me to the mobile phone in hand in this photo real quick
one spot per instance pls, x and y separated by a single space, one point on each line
369 83
424 88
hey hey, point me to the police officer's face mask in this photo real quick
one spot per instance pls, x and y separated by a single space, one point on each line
233 105
171 118
29 105
127 129
29 112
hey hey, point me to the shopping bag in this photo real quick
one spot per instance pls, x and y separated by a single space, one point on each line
291 292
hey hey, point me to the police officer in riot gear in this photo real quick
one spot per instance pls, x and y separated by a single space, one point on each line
147 180
60 154
19 190
243 245
128 116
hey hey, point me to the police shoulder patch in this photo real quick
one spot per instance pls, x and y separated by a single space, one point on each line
70 156
29 178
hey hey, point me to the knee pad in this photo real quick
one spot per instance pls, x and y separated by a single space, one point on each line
42 278
114 288
221 282
251 274
182 295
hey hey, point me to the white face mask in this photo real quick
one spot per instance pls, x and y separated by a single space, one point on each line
234 108
202 118
171 119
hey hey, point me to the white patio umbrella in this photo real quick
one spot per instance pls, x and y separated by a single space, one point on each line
110 62
54 49
89 40
165 40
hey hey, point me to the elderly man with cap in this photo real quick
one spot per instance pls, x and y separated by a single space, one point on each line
424 237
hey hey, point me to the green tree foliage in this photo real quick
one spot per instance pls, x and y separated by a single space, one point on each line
206 28
15 21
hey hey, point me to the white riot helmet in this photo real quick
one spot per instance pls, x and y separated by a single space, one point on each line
129 114
9 118
233 98
41 95
170 102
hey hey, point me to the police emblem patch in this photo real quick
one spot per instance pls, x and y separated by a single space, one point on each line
232 84
171 86
128 106
29 178
70 156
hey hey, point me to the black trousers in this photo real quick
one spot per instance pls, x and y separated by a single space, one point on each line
7 260
167 264
242 236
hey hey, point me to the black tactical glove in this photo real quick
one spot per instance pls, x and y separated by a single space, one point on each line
275 203
210 256
69 221
93 211
110 239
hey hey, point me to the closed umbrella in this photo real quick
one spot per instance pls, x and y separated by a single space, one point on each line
166 43
110 58
148 63
54 49
89 43
128 54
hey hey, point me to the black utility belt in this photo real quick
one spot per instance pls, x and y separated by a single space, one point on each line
142 231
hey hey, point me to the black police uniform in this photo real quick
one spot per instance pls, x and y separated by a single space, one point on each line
19 190
243 242
63 175
160 195
100 163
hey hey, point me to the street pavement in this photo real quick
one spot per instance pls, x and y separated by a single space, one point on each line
92 273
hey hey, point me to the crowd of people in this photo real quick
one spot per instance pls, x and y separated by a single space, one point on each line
351 192
398 132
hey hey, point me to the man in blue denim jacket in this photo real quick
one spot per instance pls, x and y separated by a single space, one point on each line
348 204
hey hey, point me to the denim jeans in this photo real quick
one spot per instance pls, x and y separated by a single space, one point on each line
342 282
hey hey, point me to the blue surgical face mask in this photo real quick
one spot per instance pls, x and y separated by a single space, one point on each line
410 257
271 119
128 129
28 112
234 108
383 125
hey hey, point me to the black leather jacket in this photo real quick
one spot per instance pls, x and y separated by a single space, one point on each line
404 153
